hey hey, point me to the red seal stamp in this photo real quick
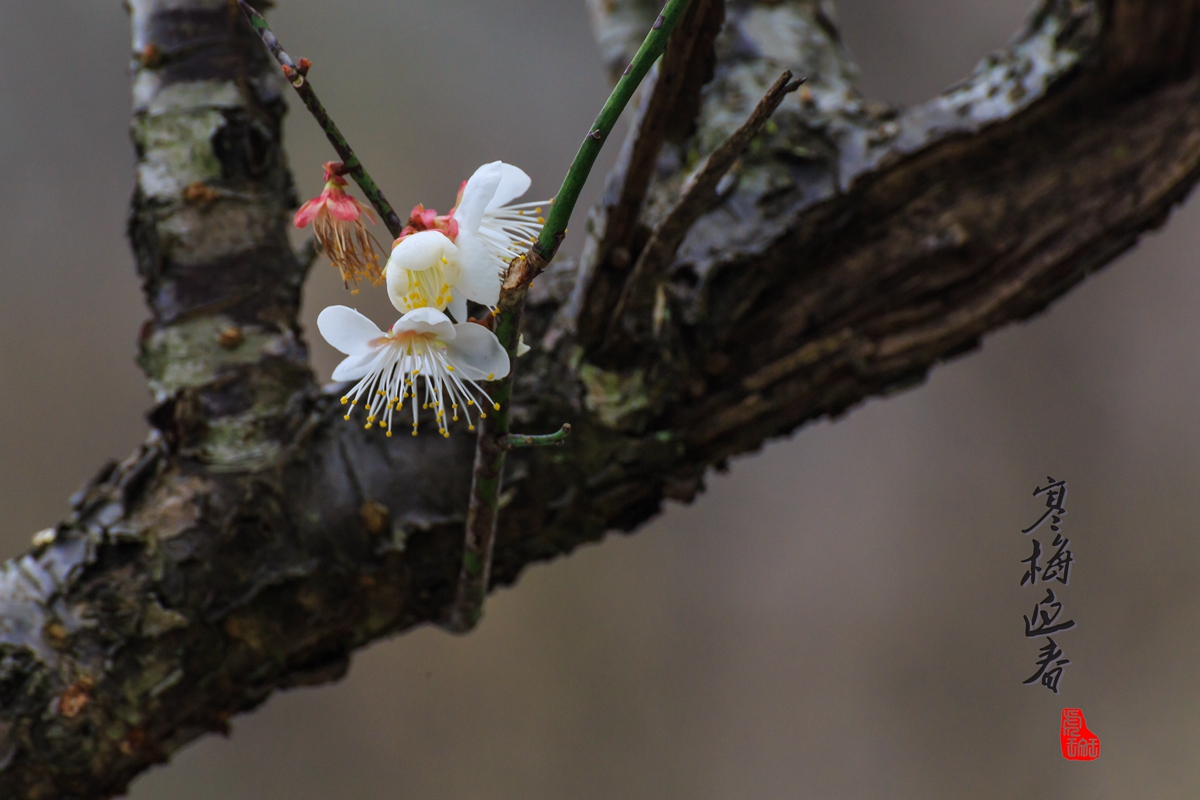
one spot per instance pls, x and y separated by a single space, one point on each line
1078 743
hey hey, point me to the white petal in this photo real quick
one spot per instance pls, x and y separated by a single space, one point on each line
420 251
522 348
426 320
416 253
480 278
354 367
347 330
513 183
477 352
458 306
477 196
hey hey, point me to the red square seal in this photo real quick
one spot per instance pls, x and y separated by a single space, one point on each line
1078 743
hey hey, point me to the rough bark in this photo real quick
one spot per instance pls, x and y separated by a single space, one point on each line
255 540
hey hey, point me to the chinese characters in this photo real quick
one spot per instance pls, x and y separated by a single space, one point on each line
1078 743
1048 617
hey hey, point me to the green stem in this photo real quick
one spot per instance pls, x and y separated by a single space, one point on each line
487 476
564 202
494 438
513 440
352 166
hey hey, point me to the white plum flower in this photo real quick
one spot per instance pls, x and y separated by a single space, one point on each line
478 239
423 344
424 272
492 230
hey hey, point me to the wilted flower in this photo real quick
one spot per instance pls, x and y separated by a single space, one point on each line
452 359
337 223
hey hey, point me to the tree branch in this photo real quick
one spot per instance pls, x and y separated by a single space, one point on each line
255 541
668 113
297 75
631 323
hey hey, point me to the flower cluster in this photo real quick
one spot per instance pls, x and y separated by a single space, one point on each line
336 218
438 263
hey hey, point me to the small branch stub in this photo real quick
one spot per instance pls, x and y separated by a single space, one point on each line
556 439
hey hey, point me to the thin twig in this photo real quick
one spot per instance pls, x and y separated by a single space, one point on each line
489 452
514 440
638 296
668 111
297 75
647 54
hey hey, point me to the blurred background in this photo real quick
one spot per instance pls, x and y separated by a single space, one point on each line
837 617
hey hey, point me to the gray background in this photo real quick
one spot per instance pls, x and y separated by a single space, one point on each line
838 617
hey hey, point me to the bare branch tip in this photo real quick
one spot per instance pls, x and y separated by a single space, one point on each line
249 10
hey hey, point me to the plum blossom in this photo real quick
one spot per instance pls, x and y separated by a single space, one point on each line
478 238
336 218
452 359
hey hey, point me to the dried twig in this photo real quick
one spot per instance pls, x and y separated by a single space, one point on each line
668 112
631 317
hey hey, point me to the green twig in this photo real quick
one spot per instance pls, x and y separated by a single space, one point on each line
513 440
297 75
564 202
494 430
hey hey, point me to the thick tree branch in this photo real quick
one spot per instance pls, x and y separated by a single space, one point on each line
255 541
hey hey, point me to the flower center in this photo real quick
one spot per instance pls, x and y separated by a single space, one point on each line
405 338
427 287
412 356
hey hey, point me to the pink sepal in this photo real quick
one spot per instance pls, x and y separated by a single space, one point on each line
308 212
341 205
